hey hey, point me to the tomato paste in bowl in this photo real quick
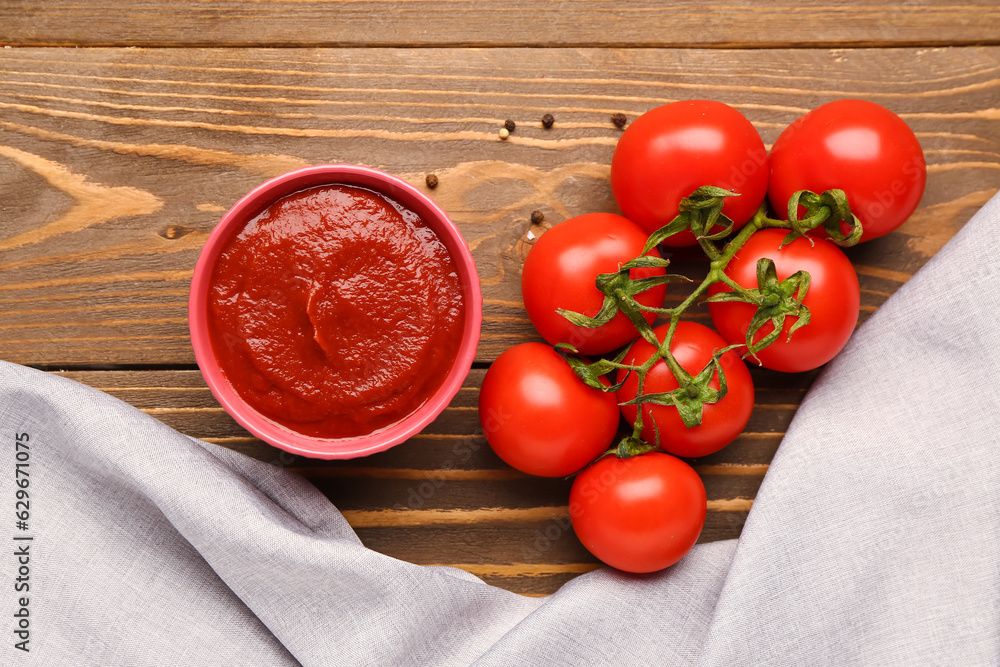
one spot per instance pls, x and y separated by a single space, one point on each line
335 311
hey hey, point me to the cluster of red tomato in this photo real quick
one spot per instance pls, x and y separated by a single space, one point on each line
642 513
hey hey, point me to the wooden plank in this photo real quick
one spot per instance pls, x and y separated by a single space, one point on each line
451 448
444 497
730 23
116 163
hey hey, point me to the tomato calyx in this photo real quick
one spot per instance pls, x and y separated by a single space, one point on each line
619 290
775 300
630 446
700 212
691 396
591 374
830 211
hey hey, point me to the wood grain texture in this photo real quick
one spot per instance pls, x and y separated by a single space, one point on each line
728 23
444 497
116 163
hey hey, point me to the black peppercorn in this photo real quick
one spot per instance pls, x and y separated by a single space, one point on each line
619 119
510 125
537 217
432 181
547 121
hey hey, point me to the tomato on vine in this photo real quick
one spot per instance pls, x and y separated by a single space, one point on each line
833 300
856 146
539 417
639 514
669 151
692 346
560 270
779 291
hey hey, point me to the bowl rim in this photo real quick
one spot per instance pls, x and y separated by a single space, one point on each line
256 201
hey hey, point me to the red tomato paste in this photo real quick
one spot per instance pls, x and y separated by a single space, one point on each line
336 312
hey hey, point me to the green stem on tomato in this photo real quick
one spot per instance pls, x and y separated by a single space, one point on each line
719 260
709 249
735 286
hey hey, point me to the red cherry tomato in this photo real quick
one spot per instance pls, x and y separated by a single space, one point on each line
833 299
672 150
639 514
560 270
539 417
692 346
859 147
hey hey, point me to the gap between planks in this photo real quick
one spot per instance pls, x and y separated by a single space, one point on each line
491 474
392 518
521 569
729 45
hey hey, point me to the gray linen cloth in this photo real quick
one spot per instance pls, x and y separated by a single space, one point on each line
875 538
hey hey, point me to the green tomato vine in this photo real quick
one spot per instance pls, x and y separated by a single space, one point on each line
776 300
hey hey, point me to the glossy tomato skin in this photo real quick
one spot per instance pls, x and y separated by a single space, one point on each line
640 514
560 270
859 147
670 151
833 299
692 346
539 417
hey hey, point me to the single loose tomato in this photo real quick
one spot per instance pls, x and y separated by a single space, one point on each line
833 299
692 347
670 151
639 514
856 146
539 417
560 270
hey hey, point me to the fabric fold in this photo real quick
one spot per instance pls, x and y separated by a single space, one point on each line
874 539
875 536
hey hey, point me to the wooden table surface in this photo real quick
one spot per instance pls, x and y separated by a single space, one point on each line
127 129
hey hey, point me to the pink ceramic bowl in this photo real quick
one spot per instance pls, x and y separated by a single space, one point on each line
255 202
